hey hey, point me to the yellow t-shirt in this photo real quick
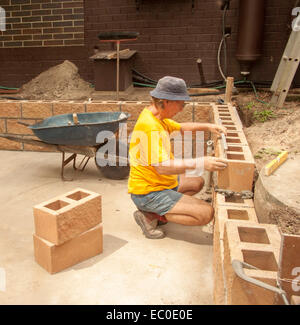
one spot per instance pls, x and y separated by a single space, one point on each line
150 145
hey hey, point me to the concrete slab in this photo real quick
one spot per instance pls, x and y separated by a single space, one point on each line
132 268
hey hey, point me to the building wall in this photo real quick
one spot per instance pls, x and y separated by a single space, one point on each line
173 35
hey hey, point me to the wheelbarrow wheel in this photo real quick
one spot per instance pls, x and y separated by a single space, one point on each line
114 172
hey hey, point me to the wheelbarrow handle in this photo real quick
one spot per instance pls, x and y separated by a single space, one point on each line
23 123
239 271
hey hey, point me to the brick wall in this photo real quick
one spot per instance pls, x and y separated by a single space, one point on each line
31 112
35 23
173 35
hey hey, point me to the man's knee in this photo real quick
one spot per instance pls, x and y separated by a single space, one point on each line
198 184
206 214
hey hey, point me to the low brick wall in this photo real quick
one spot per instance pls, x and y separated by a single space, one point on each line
34 111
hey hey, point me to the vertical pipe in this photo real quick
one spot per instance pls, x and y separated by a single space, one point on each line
118 67
250 33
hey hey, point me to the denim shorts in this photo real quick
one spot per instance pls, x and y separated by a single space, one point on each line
159 202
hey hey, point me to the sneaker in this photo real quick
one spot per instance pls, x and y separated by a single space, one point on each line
150 229
162 223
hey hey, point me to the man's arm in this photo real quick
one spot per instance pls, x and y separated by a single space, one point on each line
179 166
194 126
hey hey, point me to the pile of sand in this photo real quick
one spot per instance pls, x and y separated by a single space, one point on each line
59 82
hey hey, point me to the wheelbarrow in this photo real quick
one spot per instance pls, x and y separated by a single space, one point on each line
78 133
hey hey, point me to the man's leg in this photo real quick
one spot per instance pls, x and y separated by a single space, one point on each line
190 211
190 185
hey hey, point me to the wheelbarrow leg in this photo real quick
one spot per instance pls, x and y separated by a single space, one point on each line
82 169
65 162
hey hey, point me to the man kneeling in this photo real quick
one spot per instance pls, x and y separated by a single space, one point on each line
158 183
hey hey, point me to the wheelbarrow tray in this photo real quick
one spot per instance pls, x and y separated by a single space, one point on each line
63 130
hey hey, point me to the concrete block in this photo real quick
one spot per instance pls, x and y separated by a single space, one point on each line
186 115
258 245
295 300
133 108
68 107
103 106
219 293
6 144
238 214
55 258
36 109
228 116
202 112
66 216
10 109
233 201
14 127
239 173
2 126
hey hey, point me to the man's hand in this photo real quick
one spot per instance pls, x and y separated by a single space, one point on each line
218 129
213 163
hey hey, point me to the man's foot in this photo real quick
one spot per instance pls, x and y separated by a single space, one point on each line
148 226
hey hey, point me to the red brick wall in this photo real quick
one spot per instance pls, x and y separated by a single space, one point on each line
36 23
172 37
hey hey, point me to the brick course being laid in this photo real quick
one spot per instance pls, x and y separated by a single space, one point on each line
68 229
34 111
34 23
238 212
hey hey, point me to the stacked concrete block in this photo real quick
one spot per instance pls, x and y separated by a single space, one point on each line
257 245
239 174
234 211
68 229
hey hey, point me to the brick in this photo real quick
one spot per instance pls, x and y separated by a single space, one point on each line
257 245
22 37
66 216
55 258
103 106
12 44
133 108
36 109
15 128
74 42
53 43
52 18
33 43
10 145
32 19
32 31
67 107
10 109
202 113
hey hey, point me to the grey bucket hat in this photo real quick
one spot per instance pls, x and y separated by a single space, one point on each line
170 88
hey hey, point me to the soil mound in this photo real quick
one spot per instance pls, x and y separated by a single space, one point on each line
59 82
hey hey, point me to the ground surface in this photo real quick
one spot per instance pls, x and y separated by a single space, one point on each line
131 270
